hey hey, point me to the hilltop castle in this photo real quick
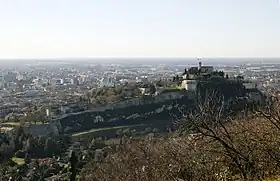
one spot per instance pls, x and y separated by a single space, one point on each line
191 75
200 78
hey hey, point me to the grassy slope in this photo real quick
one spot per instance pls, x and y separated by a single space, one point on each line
92 131
18 123
19 161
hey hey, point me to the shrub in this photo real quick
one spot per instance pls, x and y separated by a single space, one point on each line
20 154
219 148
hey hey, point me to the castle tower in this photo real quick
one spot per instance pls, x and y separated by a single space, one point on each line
199 65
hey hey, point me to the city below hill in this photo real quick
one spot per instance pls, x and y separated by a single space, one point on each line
201 123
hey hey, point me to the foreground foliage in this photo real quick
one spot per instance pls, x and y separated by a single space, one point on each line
252 153
219 148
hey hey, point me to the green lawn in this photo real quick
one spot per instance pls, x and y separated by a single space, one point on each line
18 123
89 132
12 123
99 129
19 161
40 122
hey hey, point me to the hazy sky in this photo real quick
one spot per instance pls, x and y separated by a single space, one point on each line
162 28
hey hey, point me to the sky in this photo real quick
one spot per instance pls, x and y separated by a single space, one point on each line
139 28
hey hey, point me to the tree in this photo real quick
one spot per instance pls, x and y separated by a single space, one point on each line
270 112
19 138
133 132
27 158
240 77
30 144
155 130
119 133
20 154
152 89
99 155
50 147
148 130
92 144
96 143
73 165
127 132
177 77
209 120
221 73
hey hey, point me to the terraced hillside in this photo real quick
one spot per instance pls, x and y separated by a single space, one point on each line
147 110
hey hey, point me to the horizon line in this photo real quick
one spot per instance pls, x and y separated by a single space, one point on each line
133 57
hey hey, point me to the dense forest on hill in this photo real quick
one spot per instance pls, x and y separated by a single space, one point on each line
227 88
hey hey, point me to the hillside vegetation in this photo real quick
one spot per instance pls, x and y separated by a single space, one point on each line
208 146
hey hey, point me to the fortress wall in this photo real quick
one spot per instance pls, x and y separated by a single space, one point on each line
131 112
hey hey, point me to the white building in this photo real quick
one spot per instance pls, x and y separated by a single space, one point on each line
59 81
189 85
251 85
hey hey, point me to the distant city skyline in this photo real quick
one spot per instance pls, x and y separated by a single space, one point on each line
147 28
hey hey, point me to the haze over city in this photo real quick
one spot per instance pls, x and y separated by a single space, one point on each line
146 28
